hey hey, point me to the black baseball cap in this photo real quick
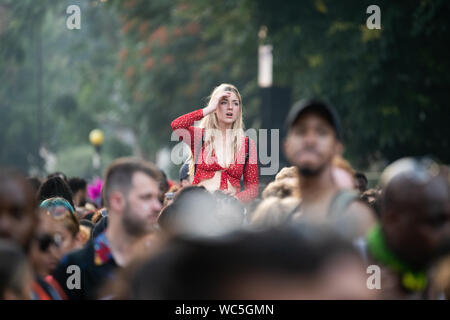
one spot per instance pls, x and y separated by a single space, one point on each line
313 105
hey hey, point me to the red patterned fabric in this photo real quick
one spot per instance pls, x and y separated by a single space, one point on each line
51 281
205 170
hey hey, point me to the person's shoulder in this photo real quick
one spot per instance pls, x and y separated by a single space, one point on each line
363 216
360 209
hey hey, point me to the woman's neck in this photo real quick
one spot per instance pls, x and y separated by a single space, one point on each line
224 126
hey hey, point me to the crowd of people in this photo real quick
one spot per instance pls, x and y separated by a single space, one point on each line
314 232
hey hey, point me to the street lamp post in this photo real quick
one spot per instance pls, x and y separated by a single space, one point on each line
275 100
96 138
265 60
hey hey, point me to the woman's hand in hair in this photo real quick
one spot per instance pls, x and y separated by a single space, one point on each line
214 102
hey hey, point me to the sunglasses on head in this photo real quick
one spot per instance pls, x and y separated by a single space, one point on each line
58 212
46 240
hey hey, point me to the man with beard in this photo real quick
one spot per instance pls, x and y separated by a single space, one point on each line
131 196
313 140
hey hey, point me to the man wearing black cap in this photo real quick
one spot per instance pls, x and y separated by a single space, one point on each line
313 139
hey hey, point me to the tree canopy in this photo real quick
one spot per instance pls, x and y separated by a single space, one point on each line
135 65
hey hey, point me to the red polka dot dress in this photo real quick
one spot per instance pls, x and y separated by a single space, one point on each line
191 135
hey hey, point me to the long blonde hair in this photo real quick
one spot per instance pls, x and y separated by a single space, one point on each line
210 125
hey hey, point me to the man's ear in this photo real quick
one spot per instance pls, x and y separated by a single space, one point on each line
117 201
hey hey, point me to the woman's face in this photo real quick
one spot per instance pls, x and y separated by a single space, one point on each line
68 242
228 110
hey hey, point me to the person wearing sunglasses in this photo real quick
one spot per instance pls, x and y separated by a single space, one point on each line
68 225
45 254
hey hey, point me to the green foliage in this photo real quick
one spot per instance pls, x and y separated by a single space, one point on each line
19 117
389 85
136 65
57 100
173 57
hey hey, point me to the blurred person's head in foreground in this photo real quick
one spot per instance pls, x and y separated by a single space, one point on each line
230 211
55 187
79 191
415 208
68 225
273 211
18 214
193 211
415 218
291 263
132 196
15 274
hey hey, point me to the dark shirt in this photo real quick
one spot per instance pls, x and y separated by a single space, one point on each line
96 265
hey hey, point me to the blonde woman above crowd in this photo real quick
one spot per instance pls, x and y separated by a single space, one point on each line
221 153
